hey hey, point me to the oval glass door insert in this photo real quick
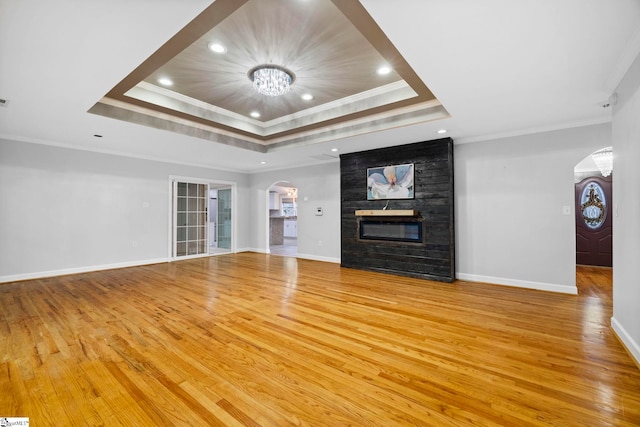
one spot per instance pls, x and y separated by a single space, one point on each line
593 205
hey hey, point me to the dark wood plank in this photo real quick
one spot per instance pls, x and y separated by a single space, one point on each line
434 258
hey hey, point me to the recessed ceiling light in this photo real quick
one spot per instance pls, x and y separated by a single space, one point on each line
442 131
334 149
263 162
385 69
254 114
164 81
307 97
217 48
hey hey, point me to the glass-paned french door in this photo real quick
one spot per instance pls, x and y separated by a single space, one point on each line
190 201
224 218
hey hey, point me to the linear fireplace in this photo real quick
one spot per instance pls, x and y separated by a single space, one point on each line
391 230
411 237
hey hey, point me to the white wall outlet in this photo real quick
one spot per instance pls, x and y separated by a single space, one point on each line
319 212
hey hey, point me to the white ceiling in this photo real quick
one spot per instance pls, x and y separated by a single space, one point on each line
499 68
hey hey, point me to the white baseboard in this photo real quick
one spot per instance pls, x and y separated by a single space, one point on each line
258 250
299 255
65 271
319 258
630 344
551 287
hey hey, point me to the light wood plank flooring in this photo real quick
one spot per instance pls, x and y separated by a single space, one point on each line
261 340
289 247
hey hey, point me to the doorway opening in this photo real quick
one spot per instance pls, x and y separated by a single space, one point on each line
593 213
201 217
219 219
593 202
283 219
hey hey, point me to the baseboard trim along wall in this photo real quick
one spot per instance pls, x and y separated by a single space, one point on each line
632 347
551 287
257 250
65 271
302 256
319 258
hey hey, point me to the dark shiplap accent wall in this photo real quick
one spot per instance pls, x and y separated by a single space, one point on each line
433 259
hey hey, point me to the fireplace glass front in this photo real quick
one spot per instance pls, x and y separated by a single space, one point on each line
391 230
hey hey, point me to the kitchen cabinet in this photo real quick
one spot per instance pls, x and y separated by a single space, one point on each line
290 228
275 203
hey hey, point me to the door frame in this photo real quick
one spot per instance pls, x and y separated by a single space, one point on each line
209 182
218 225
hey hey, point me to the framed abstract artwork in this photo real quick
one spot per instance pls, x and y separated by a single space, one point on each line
390 182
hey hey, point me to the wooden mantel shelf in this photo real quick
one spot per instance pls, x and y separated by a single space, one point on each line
388 212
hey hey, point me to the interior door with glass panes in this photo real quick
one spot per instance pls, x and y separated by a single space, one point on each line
190 232
224 218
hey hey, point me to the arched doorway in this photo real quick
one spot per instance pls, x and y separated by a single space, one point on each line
283 219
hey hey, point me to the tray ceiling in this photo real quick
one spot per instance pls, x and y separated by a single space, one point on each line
333 48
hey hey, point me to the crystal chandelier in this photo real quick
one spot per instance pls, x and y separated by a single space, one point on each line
604 160
271 80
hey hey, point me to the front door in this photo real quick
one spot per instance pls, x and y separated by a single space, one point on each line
594 242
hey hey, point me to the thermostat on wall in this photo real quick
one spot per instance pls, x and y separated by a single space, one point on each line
318 211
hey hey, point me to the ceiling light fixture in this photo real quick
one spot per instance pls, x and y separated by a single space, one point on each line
271 80
385 69
604 160
164 81
217 48
442 131
254 114
307 97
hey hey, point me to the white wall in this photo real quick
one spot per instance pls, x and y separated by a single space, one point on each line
318 187
510 193
626 220
509 199
66 210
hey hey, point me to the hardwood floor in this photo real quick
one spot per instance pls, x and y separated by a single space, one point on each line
261 340
288 248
